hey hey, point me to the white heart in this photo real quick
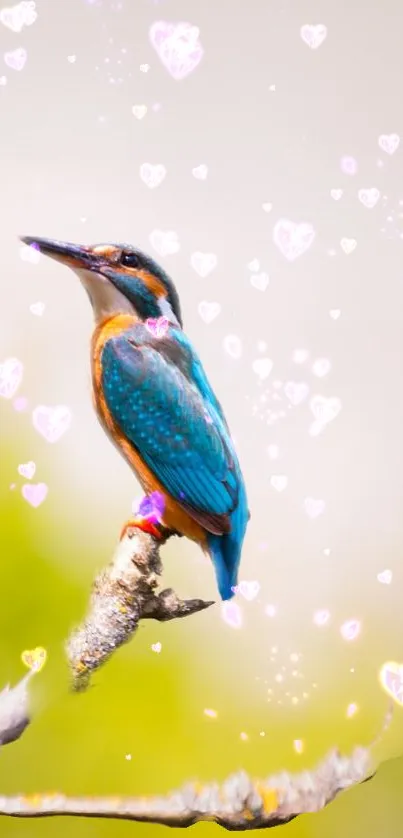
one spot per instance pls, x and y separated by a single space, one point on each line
273 451
233 346
156 647
296 391
348 245
313 36
37 308
385 577
16 59
152 175
203 263
51 422
11 372
165 242
322 617
389 142
16 17
293 239
139 111
208 311
27 470
254 265
300 356
200 172
369 197
71 59
336 194
314 507
267 206
279 482
335 313
249 590
262 367
325 409
260 281
350 629
321 367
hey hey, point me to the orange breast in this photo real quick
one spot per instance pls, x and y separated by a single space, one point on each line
175 517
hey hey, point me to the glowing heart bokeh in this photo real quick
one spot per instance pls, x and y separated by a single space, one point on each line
178 47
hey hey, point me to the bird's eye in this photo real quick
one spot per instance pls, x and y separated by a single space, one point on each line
129 259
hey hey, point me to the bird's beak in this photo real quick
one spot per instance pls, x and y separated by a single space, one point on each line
73 255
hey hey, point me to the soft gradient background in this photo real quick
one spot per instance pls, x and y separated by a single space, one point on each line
272 119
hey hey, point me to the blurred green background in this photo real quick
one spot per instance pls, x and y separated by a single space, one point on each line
144 704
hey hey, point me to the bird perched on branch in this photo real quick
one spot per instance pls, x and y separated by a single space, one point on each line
154 401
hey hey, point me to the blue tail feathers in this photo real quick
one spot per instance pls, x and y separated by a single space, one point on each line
225 550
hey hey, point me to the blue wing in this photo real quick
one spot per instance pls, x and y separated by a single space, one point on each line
165 417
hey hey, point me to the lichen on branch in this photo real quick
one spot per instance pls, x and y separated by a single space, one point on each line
123 594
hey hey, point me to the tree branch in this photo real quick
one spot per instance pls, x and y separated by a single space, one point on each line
123 594
239 804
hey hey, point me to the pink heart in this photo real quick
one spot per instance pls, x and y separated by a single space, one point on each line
51 422
157 326
34 493
177 46
27 470
11 372
293 239
16 58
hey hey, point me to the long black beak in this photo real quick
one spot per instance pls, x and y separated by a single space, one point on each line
73 255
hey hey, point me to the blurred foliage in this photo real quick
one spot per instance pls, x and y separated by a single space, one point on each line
143 704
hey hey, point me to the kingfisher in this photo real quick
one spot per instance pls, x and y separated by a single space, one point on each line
154 401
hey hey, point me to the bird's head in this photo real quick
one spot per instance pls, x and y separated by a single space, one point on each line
117 277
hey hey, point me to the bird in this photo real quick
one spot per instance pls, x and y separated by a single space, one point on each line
154 401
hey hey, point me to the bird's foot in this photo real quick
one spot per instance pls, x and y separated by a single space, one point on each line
145 525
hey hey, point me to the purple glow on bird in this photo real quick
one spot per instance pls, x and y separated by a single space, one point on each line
152 507
157 326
